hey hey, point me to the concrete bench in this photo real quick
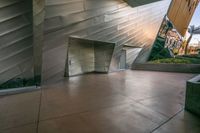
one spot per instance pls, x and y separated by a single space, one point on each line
192 102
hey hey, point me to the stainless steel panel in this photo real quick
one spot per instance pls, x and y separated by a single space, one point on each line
103 55
80 57
106 21
16 50
21 41
38 38
88 56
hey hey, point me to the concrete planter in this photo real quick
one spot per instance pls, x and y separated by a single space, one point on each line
192 102
183 68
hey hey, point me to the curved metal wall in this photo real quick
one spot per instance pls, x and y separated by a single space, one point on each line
103 20
16 49
21 34
21 41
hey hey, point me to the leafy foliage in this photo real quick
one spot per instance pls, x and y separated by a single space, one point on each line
158 51
16 83
178 60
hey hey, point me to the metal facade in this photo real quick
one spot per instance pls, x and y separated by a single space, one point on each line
103 20
182 10
21 37
86 56
16 49
23 53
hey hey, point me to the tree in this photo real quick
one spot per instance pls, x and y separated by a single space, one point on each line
192 30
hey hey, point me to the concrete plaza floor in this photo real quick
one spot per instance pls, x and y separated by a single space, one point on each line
122 102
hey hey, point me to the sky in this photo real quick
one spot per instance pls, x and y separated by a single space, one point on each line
196 21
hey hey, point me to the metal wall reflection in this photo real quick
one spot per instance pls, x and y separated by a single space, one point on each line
86 56
102 20
20 42
16 35
115 21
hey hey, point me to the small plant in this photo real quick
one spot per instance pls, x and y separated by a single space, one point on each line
17 83
171 61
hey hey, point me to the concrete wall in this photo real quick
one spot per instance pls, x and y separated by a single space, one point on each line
81 58
131 55
103 20
182 68
192 101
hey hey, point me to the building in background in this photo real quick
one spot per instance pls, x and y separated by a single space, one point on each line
171 37
180 14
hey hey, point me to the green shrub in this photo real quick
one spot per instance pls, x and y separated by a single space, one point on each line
176 61
158 50
16 83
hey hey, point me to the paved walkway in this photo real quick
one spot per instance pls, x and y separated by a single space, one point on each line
123 102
